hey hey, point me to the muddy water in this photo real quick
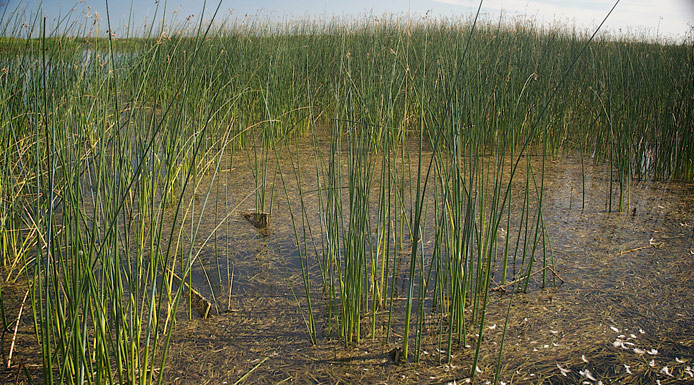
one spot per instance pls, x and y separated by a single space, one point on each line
623 313
625 307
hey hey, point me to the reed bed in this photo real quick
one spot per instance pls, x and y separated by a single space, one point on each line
112 148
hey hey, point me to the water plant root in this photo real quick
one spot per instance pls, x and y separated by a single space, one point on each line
197 301
258 219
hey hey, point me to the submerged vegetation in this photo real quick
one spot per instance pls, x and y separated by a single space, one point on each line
425 198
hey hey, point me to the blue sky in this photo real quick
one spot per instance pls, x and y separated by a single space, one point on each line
667 18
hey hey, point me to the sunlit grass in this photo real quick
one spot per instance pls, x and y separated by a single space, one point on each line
105 144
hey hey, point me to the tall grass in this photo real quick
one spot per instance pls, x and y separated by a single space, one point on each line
98 160
427 183
522 92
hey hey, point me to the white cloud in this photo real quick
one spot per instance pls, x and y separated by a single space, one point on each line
669 18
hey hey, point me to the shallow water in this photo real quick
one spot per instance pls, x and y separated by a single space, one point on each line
627 290
623 311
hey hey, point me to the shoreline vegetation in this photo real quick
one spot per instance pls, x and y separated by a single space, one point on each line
424 199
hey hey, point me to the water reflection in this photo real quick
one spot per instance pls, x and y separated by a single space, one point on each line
627 270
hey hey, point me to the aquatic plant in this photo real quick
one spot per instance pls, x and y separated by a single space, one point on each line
107 146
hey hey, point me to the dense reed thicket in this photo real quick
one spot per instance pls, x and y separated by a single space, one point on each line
103 143
394 66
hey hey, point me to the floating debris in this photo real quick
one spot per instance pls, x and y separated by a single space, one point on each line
586 373
666 370
563 371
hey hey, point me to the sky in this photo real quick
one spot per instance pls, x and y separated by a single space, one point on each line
663 19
